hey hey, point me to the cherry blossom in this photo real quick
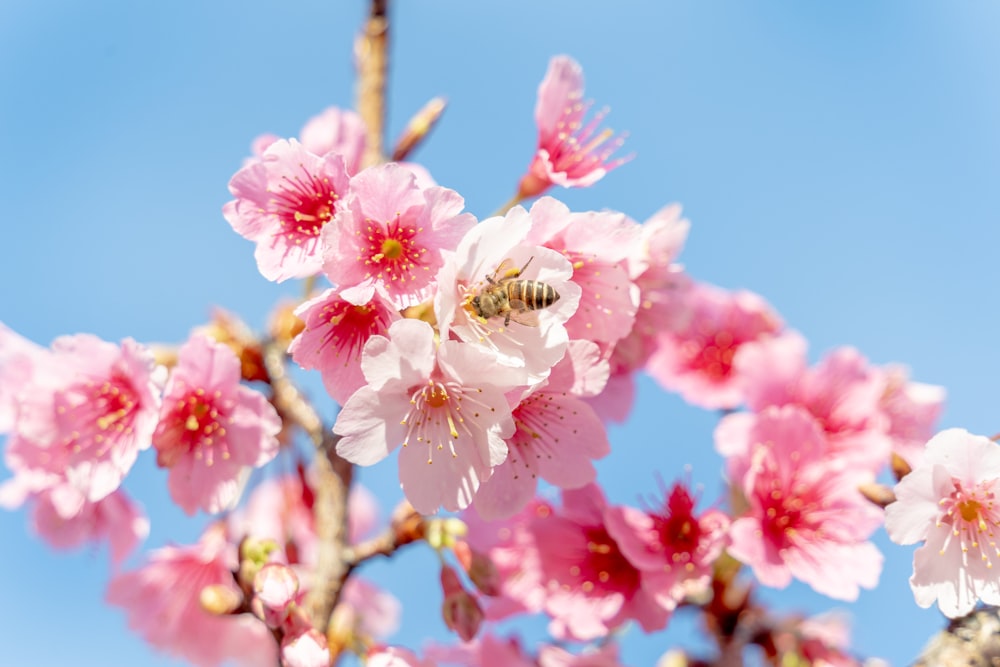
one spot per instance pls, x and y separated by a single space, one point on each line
338 131
558 435
805 518
570 153
450 416
162 602
394 656
335 332
598 245
391 235
212 429
83 411
913 409
948 502
487 252
843 392
696 357
283 202
115 518
672 547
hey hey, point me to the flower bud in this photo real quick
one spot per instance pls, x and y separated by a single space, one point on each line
308 649
219 599
419 127
254 554
275 588
460 610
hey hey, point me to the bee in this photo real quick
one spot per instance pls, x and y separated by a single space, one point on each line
512 297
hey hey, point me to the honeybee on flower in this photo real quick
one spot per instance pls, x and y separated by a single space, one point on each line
512 297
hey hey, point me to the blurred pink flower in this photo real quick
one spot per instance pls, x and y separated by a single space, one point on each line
696 357
557 438
162 602
335 332
282 203
305 649
394 656
82 412
843 392
949 503
114 518
372 612
500 244
338 131
605 655
449 414
805 518
570 153
672 547
391 234
913 409
212 429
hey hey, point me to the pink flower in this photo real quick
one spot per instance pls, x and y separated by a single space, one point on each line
337 131
662 307
598 245
18 356
114 518
557 437
805 518
368 610
485 651
566 563
949 502
275 588
391 235
83 411
843 392
283 202
446 406
162 602
336 331
334 130
212 429
569 153
913 409
672 547
696 358
491 249
393 656
602 656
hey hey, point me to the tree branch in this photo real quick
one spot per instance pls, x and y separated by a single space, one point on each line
371 52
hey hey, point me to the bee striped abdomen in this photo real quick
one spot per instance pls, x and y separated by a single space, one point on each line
533 294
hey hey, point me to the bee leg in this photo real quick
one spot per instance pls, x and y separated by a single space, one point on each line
506 320
521 270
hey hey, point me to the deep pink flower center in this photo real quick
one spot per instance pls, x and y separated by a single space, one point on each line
97 414
973 517
680 533
712 354
604 566
348 327
577 149
391 252
196 424
303 205
789 514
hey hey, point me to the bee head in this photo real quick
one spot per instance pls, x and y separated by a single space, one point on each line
475 302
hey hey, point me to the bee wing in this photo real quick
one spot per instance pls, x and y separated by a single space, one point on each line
519 313
506 269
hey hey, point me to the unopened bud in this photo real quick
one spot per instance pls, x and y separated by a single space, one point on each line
232 332
419 127
879 494
460 610
408 524
219 599
308 649
900 467
275 588
444 533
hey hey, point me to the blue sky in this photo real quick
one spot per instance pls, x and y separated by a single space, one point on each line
841 159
